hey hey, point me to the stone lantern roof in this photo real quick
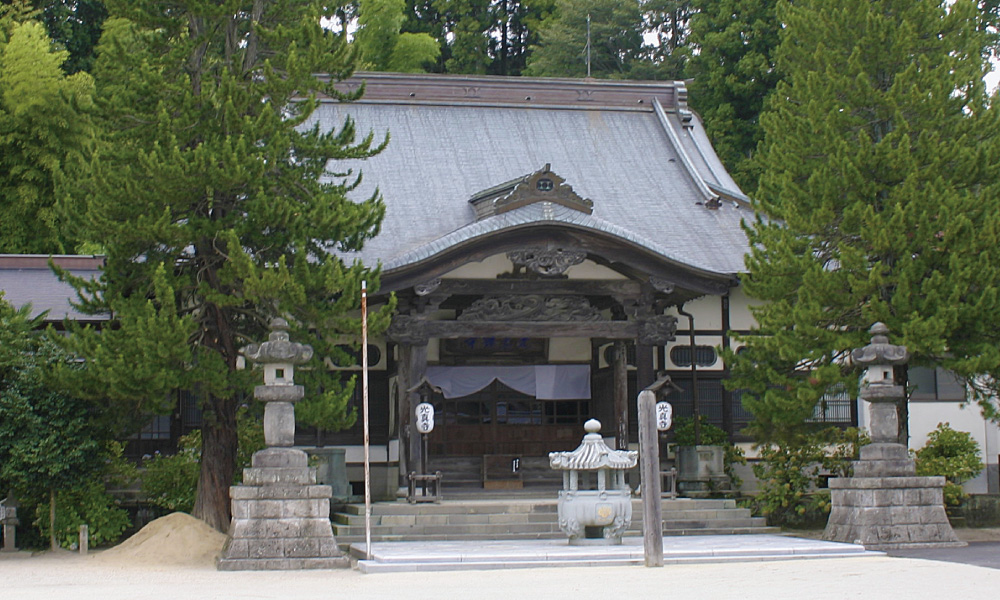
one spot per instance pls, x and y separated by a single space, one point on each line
593 454
278 348
880 351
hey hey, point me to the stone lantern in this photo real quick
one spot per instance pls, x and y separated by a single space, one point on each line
884 505
879 388
281 517
278 356
595 504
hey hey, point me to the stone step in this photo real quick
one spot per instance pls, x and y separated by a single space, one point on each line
516 505
538 516
527 519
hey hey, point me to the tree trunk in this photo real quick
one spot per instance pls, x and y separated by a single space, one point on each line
218 463
53 543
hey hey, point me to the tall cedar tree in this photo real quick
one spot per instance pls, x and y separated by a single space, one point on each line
616 44
44 130
214 195
478 36
733 73
881 200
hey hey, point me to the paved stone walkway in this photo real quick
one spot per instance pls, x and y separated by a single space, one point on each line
455 556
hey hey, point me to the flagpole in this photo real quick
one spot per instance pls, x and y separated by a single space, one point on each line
364 404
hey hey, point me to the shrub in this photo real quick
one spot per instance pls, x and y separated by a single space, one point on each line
90 504
711 435
953 455
789 473
170 482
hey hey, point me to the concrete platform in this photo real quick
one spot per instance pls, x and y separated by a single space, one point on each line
388 557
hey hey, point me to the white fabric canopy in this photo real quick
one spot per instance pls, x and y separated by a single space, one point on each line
545 382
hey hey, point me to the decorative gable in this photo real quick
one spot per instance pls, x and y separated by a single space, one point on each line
541 186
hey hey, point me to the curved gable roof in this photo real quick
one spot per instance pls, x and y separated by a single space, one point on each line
631 148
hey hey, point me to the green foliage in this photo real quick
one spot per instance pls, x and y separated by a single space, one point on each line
90 505
478 36
381 45
953 455
877 202
616 39
220 208
733 74
75 25
47 439
44 130
711 435
170 481
788 475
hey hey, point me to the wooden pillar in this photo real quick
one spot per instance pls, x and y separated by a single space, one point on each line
727 396
404 382
620 380
417 369
644 373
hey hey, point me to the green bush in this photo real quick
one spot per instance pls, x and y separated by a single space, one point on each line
170 482
90 504
953 455
788 475
711 435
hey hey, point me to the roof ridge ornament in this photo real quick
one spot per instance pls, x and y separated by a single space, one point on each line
543 186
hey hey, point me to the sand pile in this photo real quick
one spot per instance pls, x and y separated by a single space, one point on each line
176 539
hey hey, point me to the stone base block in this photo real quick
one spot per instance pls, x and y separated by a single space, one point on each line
282 526
285 458
279 476
886 513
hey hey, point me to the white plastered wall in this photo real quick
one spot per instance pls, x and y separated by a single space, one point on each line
924 418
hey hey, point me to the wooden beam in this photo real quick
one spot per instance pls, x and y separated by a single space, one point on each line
612 330
543 287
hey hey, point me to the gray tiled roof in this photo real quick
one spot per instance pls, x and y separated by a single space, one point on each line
27 279
645 189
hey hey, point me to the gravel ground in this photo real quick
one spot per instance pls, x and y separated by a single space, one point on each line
66 575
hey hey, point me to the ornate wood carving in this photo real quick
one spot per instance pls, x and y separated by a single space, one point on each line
422 289
657 330
542 186
661 285
545 287
531 308
547 261
407 329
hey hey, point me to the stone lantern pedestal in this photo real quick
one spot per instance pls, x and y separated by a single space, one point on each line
885 506
281 517
595 504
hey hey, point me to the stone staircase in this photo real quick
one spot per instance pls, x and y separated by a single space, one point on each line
521 518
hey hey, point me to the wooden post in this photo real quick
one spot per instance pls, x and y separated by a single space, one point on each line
649 470
620 381
84 539
403 383
417 371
